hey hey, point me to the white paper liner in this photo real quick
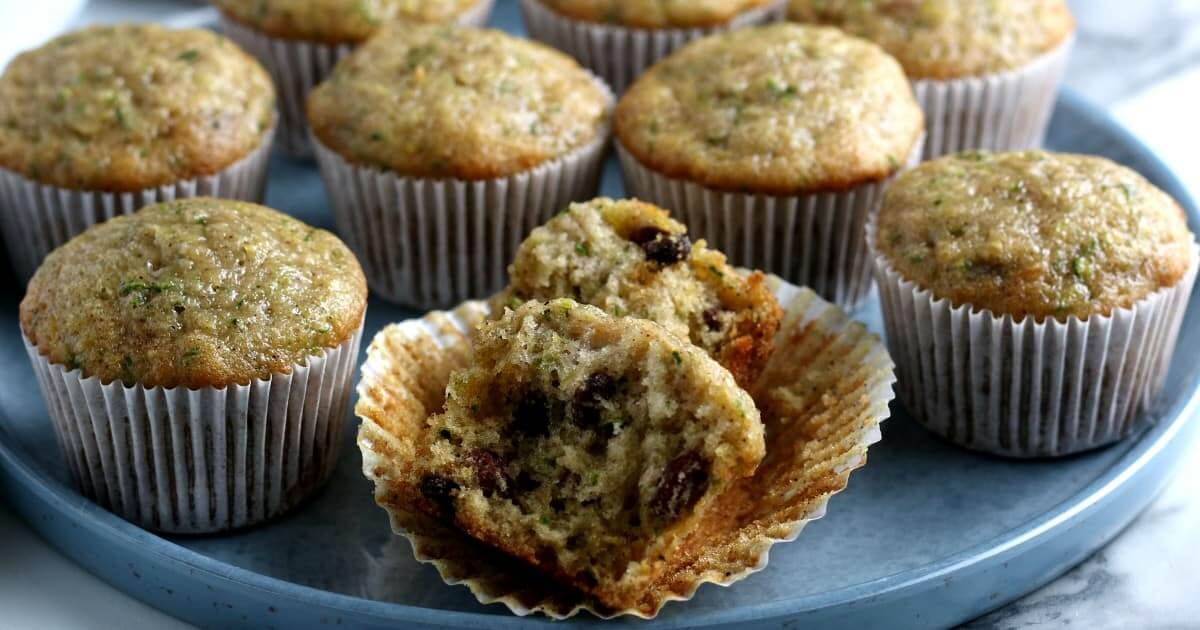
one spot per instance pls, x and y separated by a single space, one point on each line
297 66
1023 388
813 240
428 243
1007 111
815 338
621 54
40 217
194 461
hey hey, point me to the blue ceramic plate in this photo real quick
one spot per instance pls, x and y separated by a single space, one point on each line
926 535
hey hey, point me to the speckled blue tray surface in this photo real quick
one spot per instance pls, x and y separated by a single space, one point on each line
926 535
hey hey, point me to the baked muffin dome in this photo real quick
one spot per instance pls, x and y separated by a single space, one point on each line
630 258
654 13
1033 233
337 21
129 107
949 39
584 444
781 109
452 102
196 293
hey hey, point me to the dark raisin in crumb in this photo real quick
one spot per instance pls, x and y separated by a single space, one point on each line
439 491
531 417
489 472
683 481
526 482
590 396
557 505
712 317
660 245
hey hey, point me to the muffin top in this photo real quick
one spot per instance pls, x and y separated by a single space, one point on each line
452 102
194 293
127 107
779 109
655 13
631 258
337 21
948 39
1033 233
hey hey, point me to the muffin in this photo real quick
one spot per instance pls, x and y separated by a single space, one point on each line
102 121
775 144
442 147
820 399
196 358
584 444
985 72
299 41
1031 299
619 39
630 258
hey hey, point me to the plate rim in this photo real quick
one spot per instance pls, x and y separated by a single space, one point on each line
71 505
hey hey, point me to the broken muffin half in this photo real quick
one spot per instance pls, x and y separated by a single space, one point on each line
584 444
630 258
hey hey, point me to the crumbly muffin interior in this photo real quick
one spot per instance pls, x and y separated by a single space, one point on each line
582 443
630 258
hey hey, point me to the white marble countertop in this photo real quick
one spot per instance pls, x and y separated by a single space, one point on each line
1141 60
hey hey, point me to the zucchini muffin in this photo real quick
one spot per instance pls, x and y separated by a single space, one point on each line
443 146
198 315
1067 273
299 41
985 72
630 258
619 39
774 143
586 445
102 120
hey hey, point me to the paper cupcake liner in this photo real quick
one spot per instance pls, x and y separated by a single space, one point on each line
813 240
427 243
1027 389
41 217
194 461
621 54
297 66
1008 111
822 397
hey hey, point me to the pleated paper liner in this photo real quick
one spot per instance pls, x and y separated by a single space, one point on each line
430 243
814 240
41 217
822 397
1023 388
297 66
621 54
1006 111
194 461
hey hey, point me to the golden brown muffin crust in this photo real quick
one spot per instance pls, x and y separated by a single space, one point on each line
655 14
337 21
129 107
1033 233
452 102
948 39
195 293
629 258
781 109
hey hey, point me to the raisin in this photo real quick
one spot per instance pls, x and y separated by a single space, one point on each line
439 491
558 505
661 246
526 482
683 481
532 415
712 317
489 472
590 396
